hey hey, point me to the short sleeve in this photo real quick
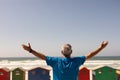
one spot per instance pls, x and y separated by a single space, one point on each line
51 60
80 60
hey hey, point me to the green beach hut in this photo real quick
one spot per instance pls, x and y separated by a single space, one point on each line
104 73
18 74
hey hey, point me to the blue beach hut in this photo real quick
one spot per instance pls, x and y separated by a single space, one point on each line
39 73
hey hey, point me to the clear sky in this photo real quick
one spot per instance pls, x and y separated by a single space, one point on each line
48 24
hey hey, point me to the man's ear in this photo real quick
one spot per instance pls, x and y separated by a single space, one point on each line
62 52
71 51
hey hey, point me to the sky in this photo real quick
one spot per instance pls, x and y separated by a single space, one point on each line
48 24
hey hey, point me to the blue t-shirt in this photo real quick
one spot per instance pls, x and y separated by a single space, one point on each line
65 68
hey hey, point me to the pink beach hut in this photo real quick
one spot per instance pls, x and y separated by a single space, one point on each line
4 74
84 74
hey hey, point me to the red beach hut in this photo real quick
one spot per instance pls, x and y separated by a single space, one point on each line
4 74
84 74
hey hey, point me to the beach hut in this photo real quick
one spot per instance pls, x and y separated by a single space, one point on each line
18 74
84 73
104 73
4 74
39 73
118 74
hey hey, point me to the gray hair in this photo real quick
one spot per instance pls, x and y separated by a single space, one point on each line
66 48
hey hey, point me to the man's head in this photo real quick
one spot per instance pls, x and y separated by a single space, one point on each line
66 50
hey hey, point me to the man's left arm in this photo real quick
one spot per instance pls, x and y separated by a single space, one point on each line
93 53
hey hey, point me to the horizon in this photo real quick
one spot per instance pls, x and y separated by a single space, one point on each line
54 56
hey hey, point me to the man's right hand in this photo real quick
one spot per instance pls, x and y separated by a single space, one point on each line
27 48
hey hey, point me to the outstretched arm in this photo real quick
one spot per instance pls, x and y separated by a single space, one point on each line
93 53
37 54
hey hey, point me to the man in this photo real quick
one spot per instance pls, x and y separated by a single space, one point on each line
65 68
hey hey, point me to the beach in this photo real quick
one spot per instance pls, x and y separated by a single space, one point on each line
30 63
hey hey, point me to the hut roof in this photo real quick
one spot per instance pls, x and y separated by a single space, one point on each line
21 68
83 67
48 69
5 69
101 66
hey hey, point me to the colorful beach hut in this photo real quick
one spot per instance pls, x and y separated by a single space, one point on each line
118 74
104 73
39 74
18 74
4 74
84 73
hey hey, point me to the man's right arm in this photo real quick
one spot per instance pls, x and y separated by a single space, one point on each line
35 53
